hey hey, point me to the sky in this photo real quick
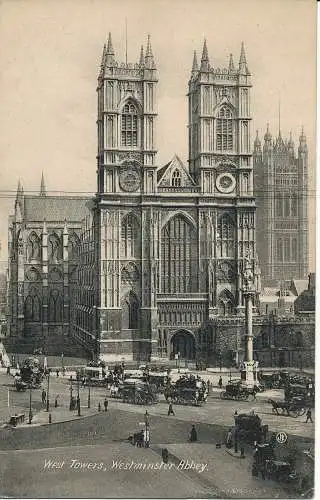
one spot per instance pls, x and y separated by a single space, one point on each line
49 61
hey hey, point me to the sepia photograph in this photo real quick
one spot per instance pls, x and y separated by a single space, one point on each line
157 248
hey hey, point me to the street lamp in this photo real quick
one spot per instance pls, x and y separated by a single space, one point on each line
30 403
89 399
48 389
78 397
70 405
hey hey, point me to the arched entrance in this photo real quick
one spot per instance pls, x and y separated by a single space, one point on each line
183 342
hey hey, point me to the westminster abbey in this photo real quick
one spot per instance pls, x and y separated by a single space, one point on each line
134 272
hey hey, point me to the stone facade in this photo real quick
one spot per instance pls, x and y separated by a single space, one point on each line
171 241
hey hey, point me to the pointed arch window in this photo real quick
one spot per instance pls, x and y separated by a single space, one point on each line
225 237
129 125
294 205
33 247
179 250
32 308
54 248
225 303
55 307
176 178
130 312
279 250
130 237
224 129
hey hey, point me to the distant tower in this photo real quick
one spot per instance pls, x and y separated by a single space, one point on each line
43 190
281 189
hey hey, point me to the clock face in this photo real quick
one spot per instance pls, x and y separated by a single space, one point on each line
129 180
225 183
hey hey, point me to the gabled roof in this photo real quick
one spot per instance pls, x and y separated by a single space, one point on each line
164 173
299 286
55 208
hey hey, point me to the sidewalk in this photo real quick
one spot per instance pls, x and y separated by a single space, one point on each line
227 473
60 414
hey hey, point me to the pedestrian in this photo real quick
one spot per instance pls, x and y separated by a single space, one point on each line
170 410
43 397
193 435
56 402
229 439
57 373
146 418
220 382
106 402
235 413
309 416
146 437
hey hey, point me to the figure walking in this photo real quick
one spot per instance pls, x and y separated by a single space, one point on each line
309 416
220 382
43 397
106 402
170 410
193 435
146 418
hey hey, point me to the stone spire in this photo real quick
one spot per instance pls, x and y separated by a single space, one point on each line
149 60
267 136
303 148
243 67
231 65
195 67
141 61
109 55
257 142
43 190
205 66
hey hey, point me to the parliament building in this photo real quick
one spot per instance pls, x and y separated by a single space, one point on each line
134 272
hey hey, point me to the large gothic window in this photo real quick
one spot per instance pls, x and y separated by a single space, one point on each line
130 312
225 303
32 308
54 248
294 205
130 237
33 247
279 250
224 129
129 125
225 237
176 178
55 307
178 256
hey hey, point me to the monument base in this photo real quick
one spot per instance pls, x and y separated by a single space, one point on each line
249 372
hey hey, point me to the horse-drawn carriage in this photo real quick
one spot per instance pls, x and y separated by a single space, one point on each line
248 427
239 391
137 392
31 373
294 407
188 389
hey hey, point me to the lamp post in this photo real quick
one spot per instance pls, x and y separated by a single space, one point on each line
71 389
89 398
48 401
78 397
30 403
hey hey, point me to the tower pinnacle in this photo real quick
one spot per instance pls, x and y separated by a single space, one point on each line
149 60
109 57
205 66
231 64
243 67
141 60
43 190
195 67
